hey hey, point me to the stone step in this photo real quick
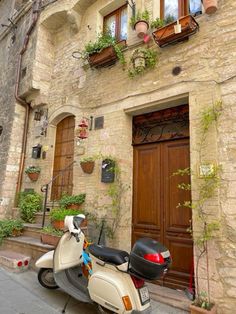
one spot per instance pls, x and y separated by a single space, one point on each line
28 245
172 297
39 218
14 261
32 230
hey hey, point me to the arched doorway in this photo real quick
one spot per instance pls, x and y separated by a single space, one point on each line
63 158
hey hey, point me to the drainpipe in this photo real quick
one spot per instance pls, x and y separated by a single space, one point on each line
22 102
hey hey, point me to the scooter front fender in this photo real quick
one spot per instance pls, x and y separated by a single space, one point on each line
46 260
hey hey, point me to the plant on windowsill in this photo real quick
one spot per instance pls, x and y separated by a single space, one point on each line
50 235
175 31
103 52
140 23
33 172
57 216
157 23
142 60
72 201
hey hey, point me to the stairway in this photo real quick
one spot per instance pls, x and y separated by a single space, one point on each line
28 246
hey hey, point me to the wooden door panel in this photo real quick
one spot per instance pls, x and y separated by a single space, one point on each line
141 233
64 155
176 156
146 187
181 250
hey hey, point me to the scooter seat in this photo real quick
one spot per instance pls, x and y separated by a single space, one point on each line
109 255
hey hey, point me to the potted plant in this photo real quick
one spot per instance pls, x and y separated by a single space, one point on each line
142 59
87 164
51 235
58 215
201 305
210 6
140 23
29 203
175 31
33 172
10 227
157 23
72 201
104 51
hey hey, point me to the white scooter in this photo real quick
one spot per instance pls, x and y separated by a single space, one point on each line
109 277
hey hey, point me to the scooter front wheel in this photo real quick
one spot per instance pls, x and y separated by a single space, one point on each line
46 278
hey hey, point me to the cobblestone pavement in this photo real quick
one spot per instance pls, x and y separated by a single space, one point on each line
20 293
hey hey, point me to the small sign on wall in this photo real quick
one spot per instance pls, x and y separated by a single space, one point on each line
206 169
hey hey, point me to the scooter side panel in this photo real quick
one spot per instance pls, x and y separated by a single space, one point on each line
107 277
45 261
68 252
106 290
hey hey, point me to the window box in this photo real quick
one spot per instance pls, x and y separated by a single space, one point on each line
166 35
105 57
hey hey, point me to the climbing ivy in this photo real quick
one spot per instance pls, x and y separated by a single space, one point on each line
208 185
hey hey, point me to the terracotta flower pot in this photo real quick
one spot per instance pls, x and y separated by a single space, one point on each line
210 6
87 166
198 310
50 239
141 28
74 206
58 224
33 176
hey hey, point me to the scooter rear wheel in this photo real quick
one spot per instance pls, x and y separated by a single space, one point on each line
46 278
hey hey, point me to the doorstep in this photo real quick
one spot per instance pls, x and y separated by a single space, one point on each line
171 297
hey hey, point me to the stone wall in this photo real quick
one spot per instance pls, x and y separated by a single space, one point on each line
56 81
11 115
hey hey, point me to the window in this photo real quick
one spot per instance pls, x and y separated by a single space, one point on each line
116 23
177 8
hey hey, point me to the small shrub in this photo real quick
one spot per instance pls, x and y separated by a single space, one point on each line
61 213
68 200
8 226
29 203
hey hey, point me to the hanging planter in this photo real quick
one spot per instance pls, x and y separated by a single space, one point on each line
176 31
142 59
141 28
140 23
87 164
33 172
210 6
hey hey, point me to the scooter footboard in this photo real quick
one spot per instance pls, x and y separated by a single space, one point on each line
73 283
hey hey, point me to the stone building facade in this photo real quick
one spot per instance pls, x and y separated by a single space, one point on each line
56 85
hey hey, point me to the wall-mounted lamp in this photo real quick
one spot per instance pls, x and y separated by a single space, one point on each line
132 5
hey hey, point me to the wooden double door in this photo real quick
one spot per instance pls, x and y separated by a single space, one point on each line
156 196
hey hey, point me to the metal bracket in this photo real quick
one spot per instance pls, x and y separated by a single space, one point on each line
132 5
